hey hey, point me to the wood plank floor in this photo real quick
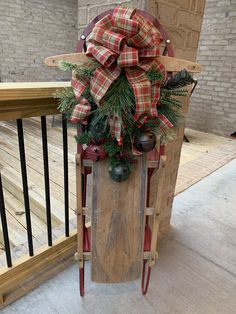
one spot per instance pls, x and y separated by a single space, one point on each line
195 272
200 143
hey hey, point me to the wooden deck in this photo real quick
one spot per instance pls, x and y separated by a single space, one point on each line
195 272
201 144
11 177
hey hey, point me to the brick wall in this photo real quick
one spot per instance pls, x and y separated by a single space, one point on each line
31 31
213 105
88 9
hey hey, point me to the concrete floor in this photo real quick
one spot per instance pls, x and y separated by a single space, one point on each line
195 273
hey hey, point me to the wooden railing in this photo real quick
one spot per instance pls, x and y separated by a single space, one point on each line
19 101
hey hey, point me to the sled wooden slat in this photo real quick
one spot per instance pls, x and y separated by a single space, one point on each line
79 209
160 173
171 64
118 211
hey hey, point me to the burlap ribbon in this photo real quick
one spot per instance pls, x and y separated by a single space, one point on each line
126 41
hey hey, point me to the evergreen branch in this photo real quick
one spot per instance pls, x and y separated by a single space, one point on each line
154 75
67 66
170 103
173 92
83 138
80 70
173 116
118 101
111 148
86 94
180 79
66 99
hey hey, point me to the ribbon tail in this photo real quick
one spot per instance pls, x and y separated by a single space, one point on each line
156 87
115 126
101 81
164 123
142 91
81 111
78 85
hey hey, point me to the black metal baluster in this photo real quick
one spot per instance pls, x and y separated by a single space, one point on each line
66 182
25 184
46 178
4 227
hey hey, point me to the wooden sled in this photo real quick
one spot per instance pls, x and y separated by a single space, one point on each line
123 228
121 241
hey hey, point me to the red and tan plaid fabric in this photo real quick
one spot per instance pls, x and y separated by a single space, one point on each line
142 90
164 123
81 111
143 38
156 87
115 126
101 81
149 52
113 41
126 41
78 85
128 57
123 22
103 55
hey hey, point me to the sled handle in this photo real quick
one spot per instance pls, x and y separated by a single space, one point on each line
171 64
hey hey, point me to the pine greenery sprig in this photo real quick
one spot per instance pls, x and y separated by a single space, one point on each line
111 148
180 79
83 138
118 101
173 92
86 94
66 100
154 76
80 71
67 66
170 103
173 116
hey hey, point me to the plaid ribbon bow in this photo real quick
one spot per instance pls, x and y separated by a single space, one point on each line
126 41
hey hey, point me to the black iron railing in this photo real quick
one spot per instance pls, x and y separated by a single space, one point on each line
20 133
4 226
66 181
46 178
4 223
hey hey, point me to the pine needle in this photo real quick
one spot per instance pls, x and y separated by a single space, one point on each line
67 66
181 79
154 76
66 99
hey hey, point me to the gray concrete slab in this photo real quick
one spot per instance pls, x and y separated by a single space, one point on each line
195 273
